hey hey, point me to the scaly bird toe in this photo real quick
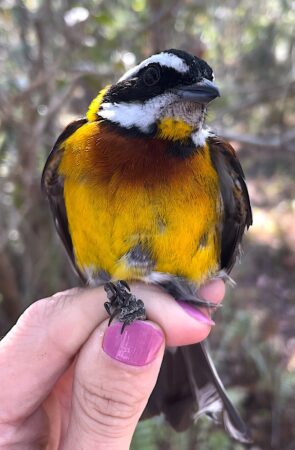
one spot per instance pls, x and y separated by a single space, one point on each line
123 305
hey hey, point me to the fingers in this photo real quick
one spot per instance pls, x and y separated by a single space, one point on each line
49 334
213 291
182 324
113 379
41 346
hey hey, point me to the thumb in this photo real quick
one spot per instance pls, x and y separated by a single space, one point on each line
114 376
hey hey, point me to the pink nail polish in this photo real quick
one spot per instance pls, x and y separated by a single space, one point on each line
138 345
196 313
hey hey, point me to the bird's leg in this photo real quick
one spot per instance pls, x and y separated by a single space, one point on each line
122 304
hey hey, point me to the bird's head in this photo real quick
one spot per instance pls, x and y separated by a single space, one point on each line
165 96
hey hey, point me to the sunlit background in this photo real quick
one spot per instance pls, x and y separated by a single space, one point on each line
54 57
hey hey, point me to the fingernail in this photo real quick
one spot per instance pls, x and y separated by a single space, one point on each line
196 313
138 345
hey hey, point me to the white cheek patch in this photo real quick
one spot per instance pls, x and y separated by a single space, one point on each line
164 59
141 115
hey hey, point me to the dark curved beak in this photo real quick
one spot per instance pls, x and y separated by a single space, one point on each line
202 92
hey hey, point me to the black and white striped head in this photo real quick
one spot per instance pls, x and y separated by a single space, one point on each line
168 88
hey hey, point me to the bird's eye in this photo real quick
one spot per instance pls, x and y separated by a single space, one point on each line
151 75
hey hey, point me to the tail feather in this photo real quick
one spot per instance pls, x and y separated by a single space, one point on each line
210 393
188 387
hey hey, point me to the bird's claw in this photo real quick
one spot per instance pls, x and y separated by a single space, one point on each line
122 304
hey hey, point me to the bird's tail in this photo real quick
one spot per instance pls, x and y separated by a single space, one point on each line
188 387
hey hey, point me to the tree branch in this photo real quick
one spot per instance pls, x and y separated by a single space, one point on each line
273 142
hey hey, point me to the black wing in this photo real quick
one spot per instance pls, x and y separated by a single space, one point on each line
52 185
237 214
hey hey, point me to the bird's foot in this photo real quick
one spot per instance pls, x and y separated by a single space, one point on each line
122 304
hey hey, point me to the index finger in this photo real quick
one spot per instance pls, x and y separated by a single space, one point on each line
181 323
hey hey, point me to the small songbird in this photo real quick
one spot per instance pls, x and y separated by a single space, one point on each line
140 189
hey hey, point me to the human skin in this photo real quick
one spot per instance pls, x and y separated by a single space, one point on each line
63 386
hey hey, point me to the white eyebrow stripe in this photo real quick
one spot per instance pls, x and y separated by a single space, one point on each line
165 59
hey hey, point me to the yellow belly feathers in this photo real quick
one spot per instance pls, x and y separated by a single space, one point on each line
176 221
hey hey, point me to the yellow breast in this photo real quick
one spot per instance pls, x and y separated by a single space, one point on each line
174 217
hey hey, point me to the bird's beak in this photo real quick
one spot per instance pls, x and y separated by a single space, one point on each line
202 92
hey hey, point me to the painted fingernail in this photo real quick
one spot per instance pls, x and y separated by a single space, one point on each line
138 345
196 313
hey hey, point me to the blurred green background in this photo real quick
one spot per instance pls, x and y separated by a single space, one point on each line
54 57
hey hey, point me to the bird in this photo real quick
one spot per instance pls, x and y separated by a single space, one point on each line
141 189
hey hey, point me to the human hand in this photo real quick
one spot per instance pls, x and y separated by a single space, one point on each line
69 382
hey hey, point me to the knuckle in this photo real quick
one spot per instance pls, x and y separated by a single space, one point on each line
107 410
42 319
33 315
44 310
68 292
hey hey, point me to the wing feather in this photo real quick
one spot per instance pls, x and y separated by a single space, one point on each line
237 213
52 185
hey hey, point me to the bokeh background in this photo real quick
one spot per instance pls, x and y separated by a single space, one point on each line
54 57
